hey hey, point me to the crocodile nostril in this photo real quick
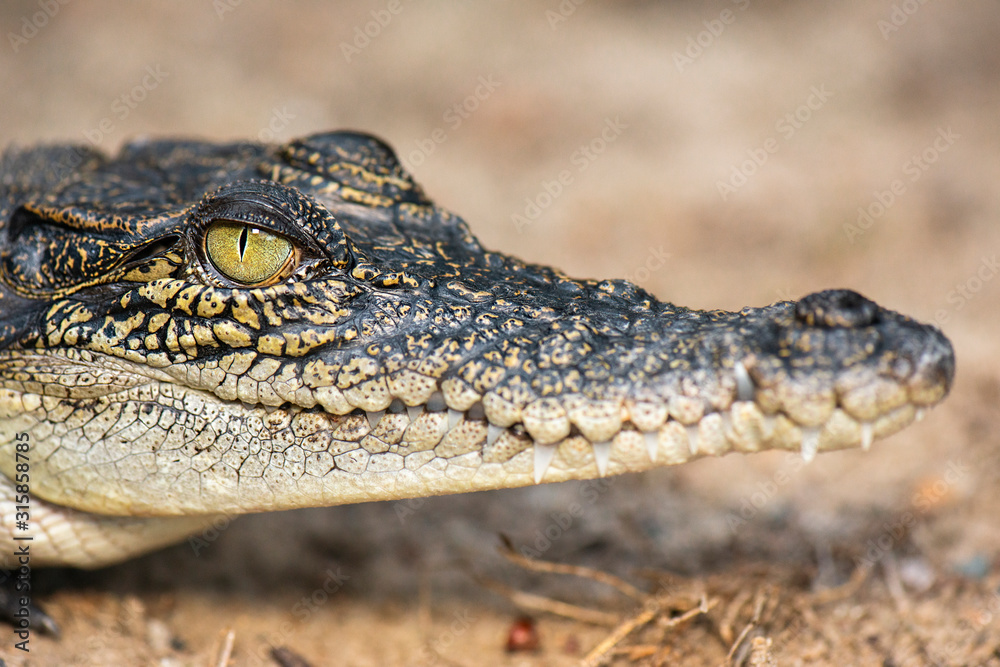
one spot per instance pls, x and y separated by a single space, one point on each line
836 308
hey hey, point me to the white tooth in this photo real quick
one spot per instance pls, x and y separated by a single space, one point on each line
454 416
693 438
414 411
493 433
919 414
810 443
652 444
543 457
374 417
744 385
866 436
602 455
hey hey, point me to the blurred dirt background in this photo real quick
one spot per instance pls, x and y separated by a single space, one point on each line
733 148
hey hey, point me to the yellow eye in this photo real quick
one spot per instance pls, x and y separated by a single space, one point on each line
247 254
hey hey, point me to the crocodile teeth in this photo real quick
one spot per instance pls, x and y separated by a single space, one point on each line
602 455
810 443
374 417
652 444
744 384
867 435
414 411
693 439
454 416
918 414
543 457
493 433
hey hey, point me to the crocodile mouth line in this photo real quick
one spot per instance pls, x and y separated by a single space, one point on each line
670 434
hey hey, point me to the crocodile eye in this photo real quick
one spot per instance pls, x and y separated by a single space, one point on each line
246 254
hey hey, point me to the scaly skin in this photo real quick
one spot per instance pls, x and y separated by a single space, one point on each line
388 356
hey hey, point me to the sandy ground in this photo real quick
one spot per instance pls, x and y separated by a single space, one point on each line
741 143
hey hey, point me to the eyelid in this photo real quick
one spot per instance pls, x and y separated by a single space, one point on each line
255 204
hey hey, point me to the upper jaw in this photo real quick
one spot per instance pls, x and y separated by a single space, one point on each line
760 378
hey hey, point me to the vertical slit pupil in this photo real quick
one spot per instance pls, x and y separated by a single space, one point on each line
244 237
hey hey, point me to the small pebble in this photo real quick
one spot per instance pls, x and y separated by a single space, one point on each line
523 636
976 567
916 573
159 636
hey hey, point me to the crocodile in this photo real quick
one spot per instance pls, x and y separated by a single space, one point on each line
191 330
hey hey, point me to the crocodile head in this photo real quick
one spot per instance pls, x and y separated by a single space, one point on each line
193 328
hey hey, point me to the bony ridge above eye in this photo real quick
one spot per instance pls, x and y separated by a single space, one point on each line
246 254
